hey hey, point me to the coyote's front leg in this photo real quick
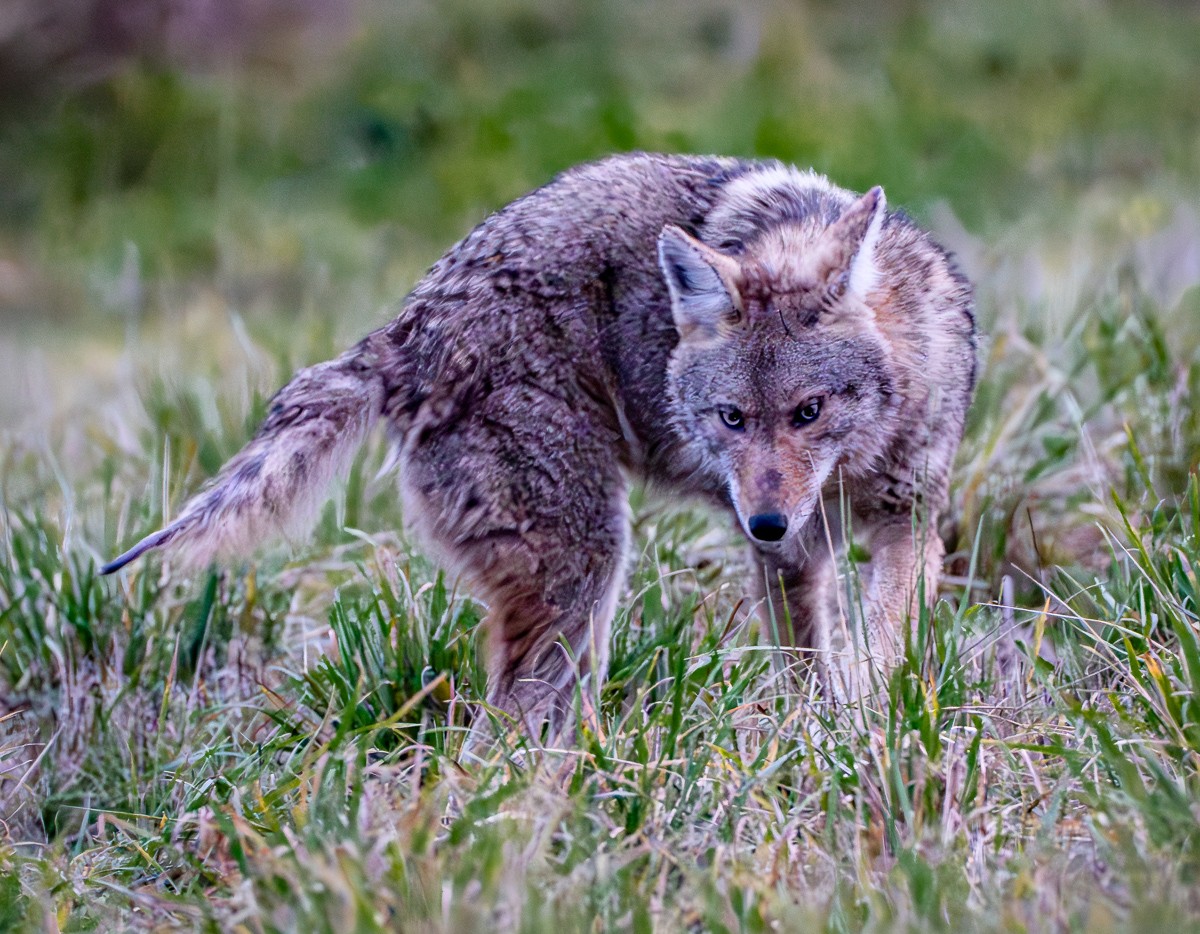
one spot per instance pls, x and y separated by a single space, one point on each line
903 554
794 603
795 591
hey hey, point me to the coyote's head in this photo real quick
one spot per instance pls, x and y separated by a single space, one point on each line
782 378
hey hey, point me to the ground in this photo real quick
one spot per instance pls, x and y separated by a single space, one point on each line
272 746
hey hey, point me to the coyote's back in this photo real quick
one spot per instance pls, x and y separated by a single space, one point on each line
738 331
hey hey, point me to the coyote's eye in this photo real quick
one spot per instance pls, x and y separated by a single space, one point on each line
807 413
732 418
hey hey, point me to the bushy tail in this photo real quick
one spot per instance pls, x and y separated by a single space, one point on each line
276 483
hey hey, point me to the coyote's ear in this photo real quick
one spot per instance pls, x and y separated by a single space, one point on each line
703 284
844 256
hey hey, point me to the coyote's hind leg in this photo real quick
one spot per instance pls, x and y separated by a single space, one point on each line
550 611
525 498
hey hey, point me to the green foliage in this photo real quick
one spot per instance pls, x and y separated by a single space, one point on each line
280 748
400 658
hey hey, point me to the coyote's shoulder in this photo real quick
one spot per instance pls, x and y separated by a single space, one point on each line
737 330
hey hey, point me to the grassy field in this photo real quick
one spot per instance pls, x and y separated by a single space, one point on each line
272 746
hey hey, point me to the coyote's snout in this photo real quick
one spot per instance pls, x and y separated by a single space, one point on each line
767 526
737 331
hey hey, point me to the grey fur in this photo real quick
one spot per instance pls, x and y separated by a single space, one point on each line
539 365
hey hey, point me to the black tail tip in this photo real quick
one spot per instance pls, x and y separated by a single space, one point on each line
117 563
160 537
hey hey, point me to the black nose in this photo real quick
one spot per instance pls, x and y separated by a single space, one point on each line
768 526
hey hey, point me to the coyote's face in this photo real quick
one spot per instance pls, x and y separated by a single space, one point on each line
781 378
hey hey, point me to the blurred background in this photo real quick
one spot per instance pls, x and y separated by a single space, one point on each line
291 146
229 188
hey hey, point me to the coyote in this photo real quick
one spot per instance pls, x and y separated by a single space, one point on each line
738 331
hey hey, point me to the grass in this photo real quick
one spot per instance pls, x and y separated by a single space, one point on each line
273 746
